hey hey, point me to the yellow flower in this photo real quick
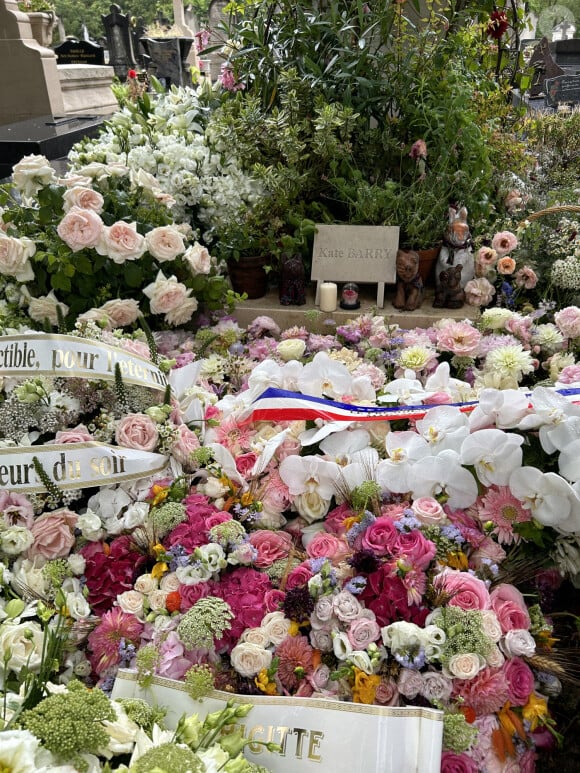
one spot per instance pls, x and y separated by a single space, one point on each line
159 570
535 709
457 560
265 684
160 494
246 499
294 629
365 687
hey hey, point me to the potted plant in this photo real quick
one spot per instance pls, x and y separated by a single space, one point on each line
42 16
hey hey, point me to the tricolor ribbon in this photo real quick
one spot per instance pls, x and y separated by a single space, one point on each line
283 405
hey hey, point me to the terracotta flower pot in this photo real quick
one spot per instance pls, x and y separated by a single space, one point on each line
427 261
249 276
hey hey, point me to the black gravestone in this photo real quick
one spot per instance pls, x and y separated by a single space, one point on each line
567 55
563 90
74 51
168 57
118 32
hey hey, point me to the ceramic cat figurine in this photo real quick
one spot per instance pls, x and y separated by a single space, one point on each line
449 293
409 292
457 247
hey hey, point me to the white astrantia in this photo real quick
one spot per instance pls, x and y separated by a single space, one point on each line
494 454
443 478
403 450
504 408
550 499
444 428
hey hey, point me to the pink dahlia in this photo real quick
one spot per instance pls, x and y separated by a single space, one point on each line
486 693
295 654
115 627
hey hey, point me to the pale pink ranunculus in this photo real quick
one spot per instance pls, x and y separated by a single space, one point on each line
53 535
479 292
526 277
504 242
510 608
271 546
428 510
80 434
137 430
460 338
16 509
121 242
186 441
325 545
362 632
467 592
568 321
198 259
80 228
165 243
122 312
506 265
166 294
520 680
83 198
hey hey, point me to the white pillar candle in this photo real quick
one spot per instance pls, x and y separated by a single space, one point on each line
328 296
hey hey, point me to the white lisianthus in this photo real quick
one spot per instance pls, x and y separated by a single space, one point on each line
15 540
360 659
90 525
24 643
213 758
341 645
77 606
193 574
17 751
122 732
212 556
77 563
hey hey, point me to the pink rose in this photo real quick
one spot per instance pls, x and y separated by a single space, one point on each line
451 762
410 683
362 632
198 259
568 321
467 592
186 441
428 510
166 295
191 594
216 518
53 534
414 548
273 599
80 228
165 243
271 546
121 312
245 463
380 537
300 575
121 242
137 430
520 680
79 434
83 198
504 242
461 338
16 509
324 545
387 693
510 608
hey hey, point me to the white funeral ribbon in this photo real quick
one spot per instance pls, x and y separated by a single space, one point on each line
35 354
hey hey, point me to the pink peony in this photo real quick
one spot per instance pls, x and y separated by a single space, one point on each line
461 338
520 680
137 430
271 546
568 321
486 256
467 592
53 534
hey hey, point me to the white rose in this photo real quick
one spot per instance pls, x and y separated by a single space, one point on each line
32 173
121 312
14 257
518 643
257 636
311 506
45 307
24 641
182 313
249 659
198 259
360 660
291 349
145 584
276 626
466 665
15 540
491 626
495 658
169 582
90 526
158 600
77 606
122 732
165 243
131 602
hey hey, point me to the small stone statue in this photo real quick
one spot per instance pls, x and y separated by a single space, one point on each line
409 291
457 247
449 294
292 281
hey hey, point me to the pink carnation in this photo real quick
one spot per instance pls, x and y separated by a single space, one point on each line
486 693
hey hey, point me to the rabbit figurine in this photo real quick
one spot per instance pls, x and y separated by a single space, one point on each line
457 247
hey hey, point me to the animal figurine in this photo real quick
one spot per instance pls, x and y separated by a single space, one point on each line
292 289
409 290
457 247
449 294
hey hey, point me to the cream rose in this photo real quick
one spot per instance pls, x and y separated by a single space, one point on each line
291 349
121 312
83 198
490 624
45 307
165 294
495 658
169 583
131 602
14 257
165 243
32 173
518 643
145 583
249 659
157 600
183 313
121 242
466 665
276 627
198 259
24 642
311 506
80 228
257 636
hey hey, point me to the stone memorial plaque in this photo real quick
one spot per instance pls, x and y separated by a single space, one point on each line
563 90
355 253
79 52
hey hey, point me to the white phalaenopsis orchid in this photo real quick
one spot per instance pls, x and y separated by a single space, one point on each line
407 390
442 476
549 498
441 381
501 408
324 377
550 410
304 474
269 374
346 446
494 454
444 428
403 449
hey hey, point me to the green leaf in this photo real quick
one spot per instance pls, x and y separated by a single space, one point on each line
60 282
133 275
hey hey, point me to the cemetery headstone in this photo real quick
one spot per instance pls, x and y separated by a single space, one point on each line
563 90
73 51
118 32
544 67
567 55
168 57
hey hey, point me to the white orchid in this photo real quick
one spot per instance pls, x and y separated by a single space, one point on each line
346 446
550 410
407 390
494 454
444 427
550 499
325 377
403 449
308 474
503 408
441 381
443 476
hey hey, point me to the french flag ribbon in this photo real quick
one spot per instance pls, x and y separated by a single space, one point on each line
282 405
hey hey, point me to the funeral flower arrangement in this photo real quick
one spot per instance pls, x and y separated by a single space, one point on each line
285 545
102 242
